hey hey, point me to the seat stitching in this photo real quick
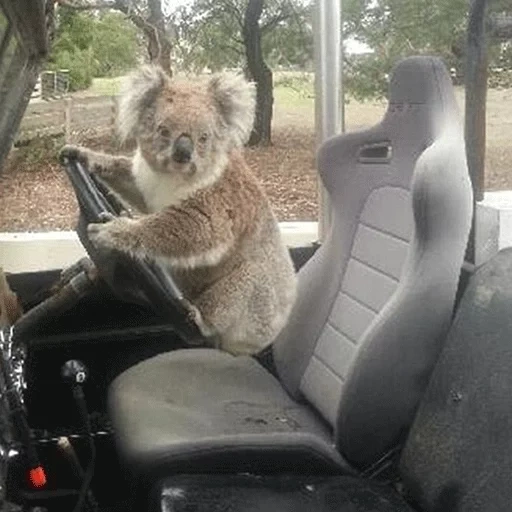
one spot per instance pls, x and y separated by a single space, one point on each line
372 267
359 301
339 331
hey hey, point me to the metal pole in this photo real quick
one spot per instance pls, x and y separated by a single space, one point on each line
329 105
476 95
475 109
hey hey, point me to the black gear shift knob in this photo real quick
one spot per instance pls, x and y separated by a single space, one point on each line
74 372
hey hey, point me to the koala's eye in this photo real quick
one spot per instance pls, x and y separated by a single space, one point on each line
164 131
203 138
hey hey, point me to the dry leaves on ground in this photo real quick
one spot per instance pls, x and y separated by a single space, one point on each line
35 194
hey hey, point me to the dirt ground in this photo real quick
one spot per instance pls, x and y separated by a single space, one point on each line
36 196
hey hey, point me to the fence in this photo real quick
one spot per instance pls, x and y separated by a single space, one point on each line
54 84
74 118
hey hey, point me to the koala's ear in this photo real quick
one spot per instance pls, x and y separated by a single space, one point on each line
234 98
138 93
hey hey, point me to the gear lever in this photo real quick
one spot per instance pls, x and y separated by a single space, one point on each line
74 373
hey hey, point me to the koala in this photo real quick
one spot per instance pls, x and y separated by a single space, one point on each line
199 210
10 306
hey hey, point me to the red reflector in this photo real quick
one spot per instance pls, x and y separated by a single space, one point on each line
37 477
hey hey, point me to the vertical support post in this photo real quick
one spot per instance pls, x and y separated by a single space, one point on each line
476 74
67 120
476 95
113 132
329 104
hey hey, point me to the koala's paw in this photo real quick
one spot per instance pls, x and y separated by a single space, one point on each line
71 152
106 217
112 235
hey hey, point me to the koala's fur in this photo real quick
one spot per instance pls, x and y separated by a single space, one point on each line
208 220
10 306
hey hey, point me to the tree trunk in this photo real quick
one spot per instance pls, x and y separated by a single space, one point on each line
260 73
159 44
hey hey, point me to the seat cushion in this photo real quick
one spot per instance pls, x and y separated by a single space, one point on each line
202 410
245 493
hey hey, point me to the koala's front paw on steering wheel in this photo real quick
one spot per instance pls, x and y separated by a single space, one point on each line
73 152
99 236
114 234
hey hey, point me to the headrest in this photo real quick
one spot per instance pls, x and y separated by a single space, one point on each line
422 80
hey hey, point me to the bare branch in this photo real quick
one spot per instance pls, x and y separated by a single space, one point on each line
297 18
86 7
230 6
236 49
273 23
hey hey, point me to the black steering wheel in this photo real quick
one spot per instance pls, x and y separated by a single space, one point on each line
140 281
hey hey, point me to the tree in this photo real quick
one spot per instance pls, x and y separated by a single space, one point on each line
221 34
147 15
207 36
115 45
394 29
208 33
90 46
258 70
398 28
72 48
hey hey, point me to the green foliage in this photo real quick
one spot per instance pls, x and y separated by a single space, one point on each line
208 33
92 45
115 45
395 29
290 43
301 84
205 36
80 65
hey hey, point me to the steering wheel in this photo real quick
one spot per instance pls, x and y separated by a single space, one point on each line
134 280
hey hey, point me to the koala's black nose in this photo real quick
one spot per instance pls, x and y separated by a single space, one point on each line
182 149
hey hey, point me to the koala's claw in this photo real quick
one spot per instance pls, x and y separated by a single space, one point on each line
106 217
71 152
195 316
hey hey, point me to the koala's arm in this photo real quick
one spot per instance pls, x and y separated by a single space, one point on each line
185 237
114 170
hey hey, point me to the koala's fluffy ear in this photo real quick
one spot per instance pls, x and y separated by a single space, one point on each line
235 101
138 94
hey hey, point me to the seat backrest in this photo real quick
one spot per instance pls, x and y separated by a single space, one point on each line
375 301
458 456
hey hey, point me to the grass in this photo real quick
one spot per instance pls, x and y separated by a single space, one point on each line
104 87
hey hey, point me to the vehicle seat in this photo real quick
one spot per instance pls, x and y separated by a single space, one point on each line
374 305
457 454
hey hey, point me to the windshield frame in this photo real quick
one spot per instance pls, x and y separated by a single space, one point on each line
27 23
